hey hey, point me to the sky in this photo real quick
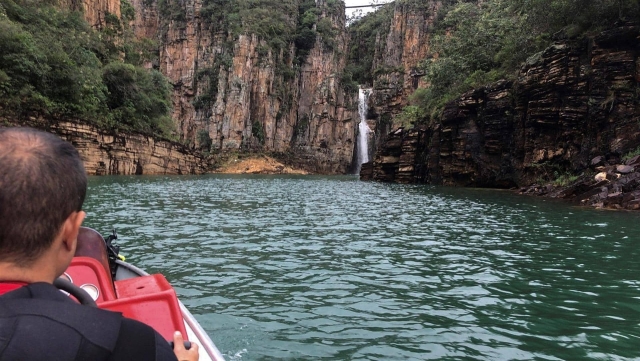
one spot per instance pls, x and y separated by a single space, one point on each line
361 2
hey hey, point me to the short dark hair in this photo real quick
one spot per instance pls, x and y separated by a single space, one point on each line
42 181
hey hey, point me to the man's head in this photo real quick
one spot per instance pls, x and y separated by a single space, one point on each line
42 184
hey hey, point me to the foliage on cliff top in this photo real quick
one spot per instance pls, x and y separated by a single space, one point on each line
363 33
52 62
278 22
479 44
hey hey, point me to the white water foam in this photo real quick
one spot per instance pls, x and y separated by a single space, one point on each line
237 356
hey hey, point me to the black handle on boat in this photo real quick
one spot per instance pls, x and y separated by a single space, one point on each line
113 236
187 345
81 295
113 251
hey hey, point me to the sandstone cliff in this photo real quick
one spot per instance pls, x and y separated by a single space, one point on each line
395 68
398 55
575 102
233 90
326 115
94 10
105 153
239 93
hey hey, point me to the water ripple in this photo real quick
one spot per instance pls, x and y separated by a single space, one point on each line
333 268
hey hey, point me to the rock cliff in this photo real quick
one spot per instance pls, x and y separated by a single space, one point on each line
234 90
399 53
105 153
326 115
240 93
396 61
94 10
576 101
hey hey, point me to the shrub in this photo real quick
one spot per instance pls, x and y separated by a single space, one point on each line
51 61
631 154
363 33
258 131
136 97
327 32
204 140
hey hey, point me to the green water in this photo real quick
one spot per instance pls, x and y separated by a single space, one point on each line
332 268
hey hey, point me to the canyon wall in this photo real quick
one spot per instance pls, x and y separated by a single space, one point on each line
106 153
241 94
574 102
234 91
399 53
395 67
94 10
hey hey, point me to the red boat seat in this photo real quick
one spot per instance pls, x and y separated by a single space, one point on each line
142 286
151 300
86 270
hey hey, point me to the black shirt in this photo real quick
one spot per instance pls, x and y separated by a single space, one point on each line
38 322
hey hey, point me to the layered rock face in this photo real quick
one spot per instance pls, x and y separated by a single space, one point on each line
104 153
575 102
616 186
396 69
326 116
236 91
398 55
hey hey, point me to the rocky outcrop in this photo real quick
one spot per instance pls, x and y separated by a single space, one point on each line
106 153
256 165
616 186
238 92
575 101
243 94
146 23
395 66
326 115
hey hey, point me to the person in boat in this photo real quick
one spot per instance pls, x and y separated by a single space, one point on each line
42 188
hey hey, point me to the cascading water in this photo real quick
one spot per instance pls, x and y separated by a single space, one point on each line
362 148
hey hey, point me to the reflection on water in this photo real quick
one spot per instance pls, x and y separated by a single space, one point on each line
329 267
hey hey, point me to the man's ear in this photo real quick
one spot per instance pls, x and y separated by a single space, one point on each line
71 228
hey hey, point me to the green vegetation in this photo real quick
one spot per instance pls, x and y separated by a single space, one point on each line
204 140
172 10
137 98
301 126
278 22
258 131
564 180
479 44
631 154
476 43
53 63
362 49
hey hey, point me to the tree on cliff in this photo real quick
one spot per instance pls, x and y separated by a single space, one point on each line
475 43
53 63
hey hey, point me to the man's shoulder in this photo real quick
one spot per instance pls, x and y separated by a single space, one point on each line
43 299
39 290
42 306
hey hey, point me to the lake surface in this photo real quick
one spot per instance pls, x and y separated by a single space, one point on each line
307 267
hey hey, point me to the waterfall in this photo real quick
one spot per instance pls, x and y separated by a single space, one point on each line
362 147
